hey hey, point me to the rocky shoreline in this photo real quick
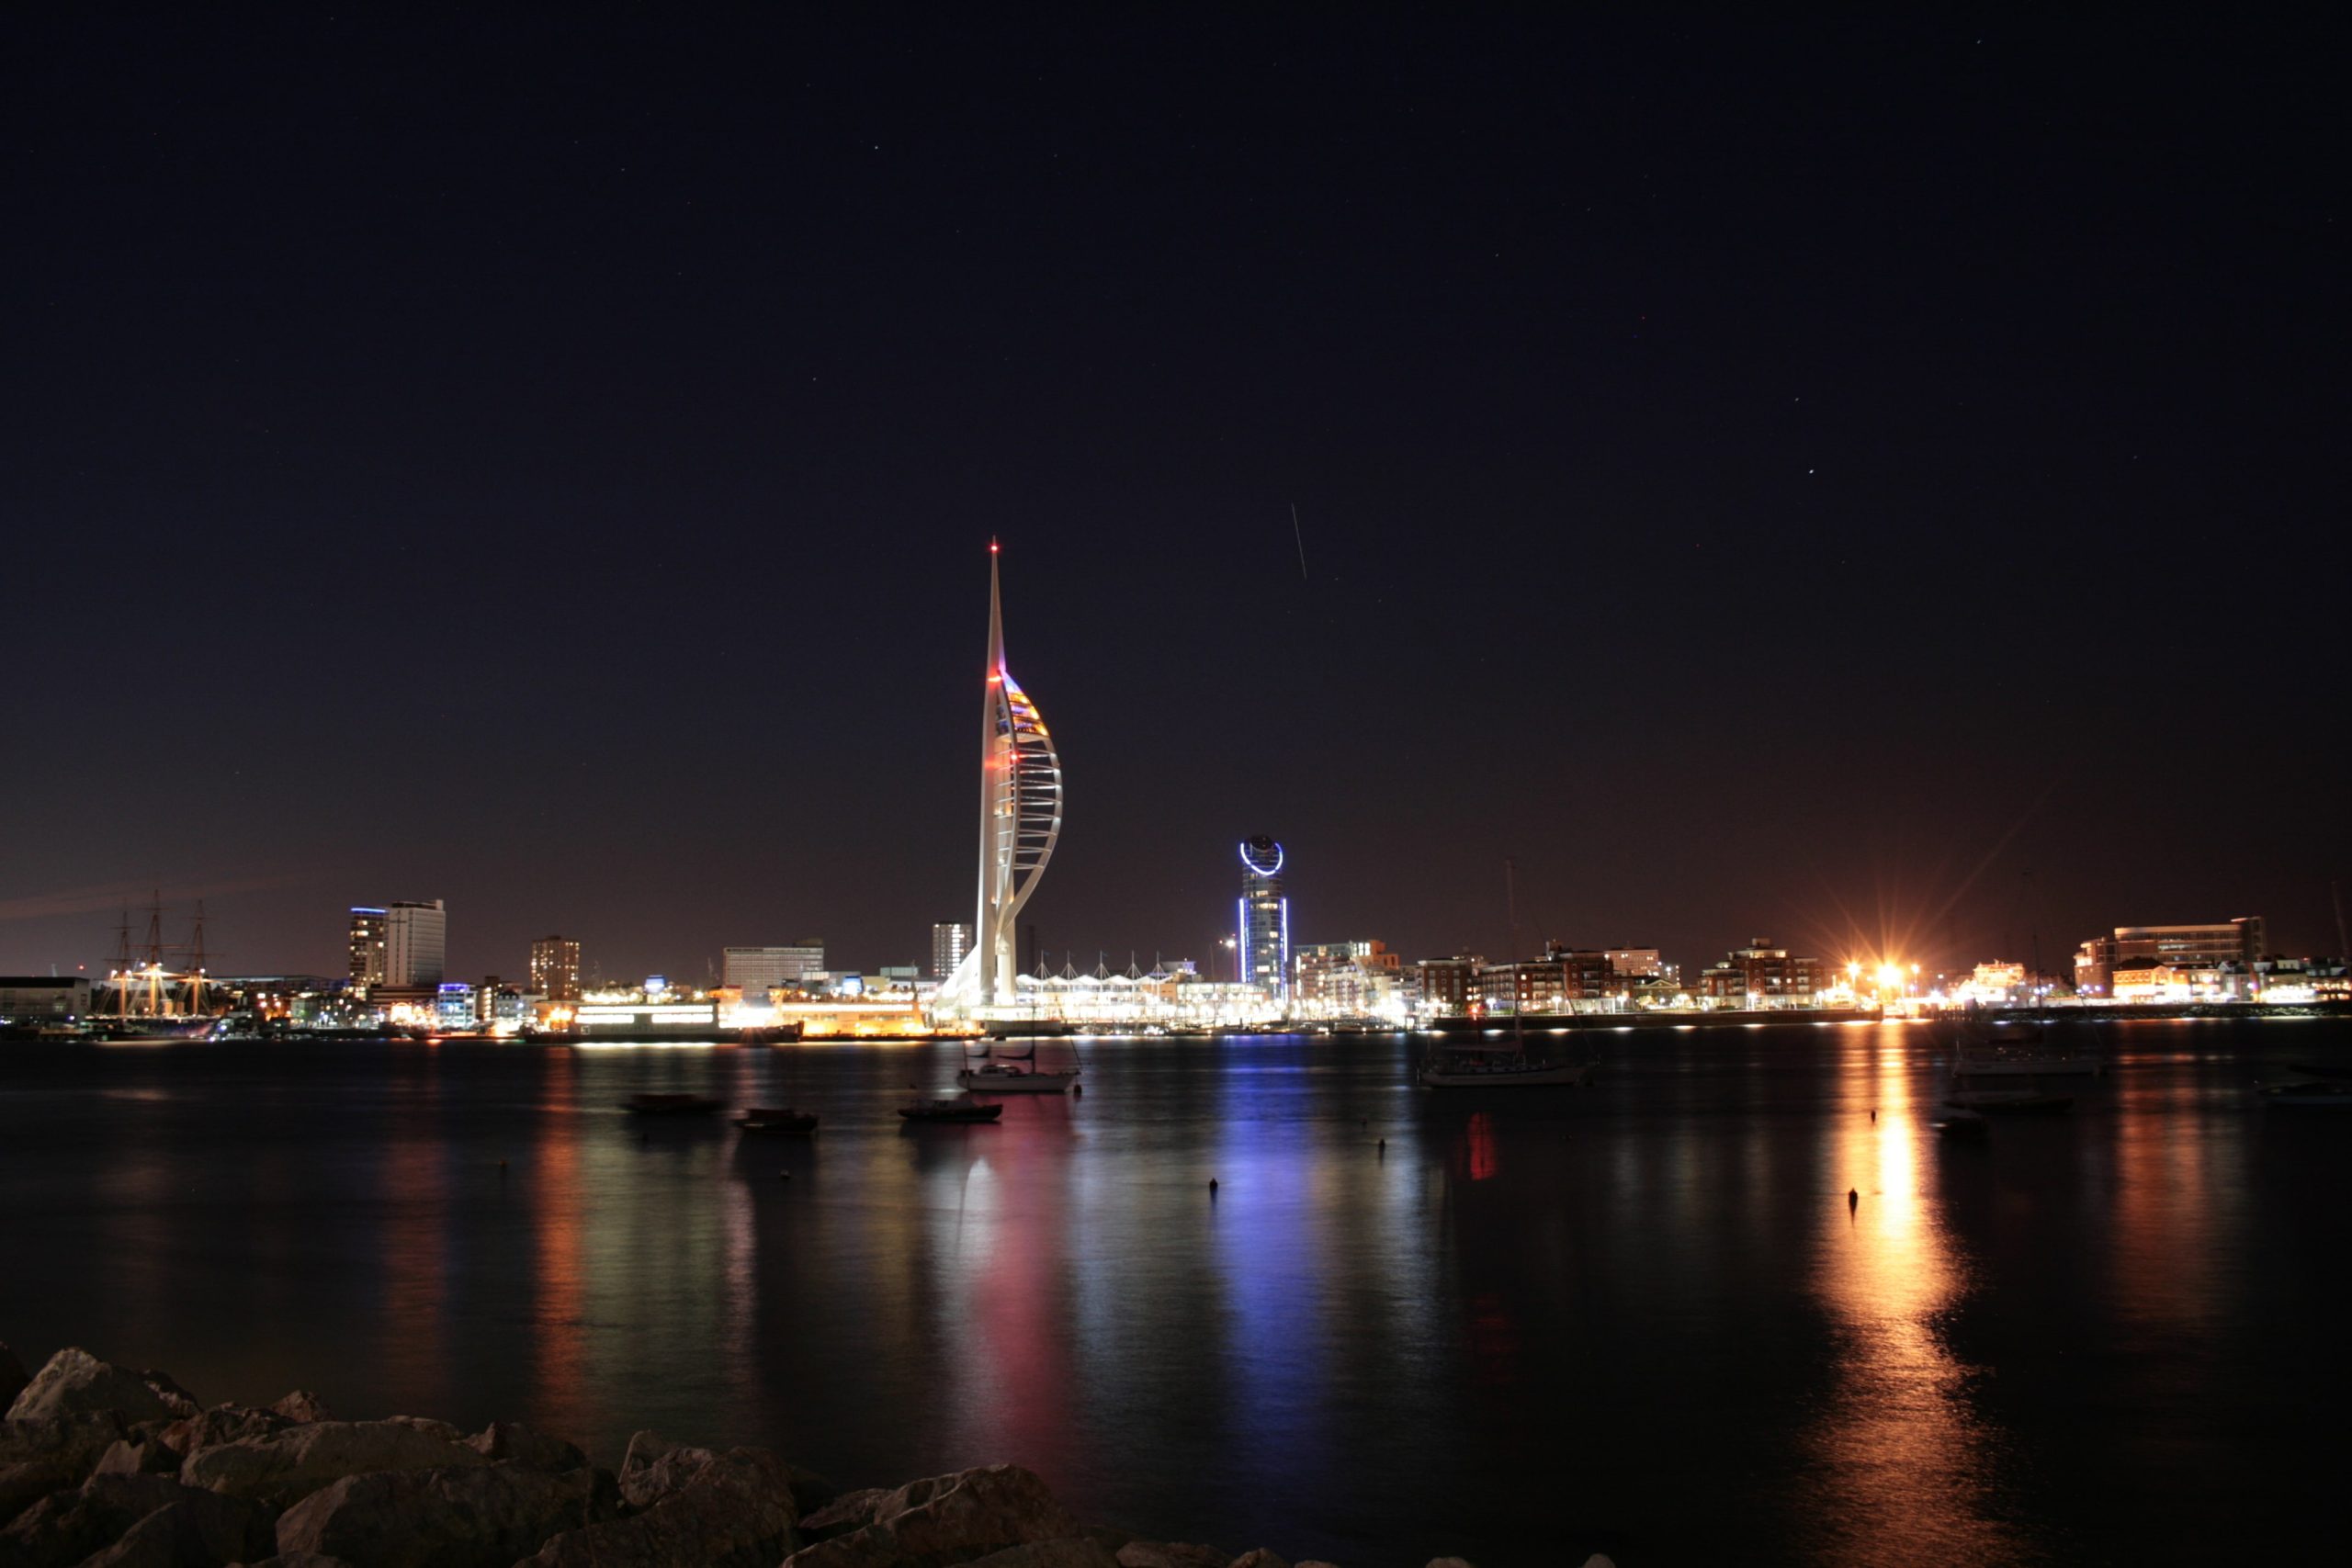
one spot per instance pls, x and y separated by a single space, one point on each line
111 1466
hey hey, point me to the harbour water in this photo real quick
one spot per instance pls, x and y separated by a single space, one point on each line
1640 1317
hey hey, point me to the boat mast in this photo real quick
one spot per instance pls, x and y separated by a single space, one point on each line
1511 899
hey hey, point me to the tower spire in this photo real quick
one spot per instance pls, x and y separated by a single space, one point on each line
1021 819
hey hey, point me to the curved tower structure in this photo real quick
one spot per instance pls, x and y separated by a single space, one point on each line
1021 819
1263 919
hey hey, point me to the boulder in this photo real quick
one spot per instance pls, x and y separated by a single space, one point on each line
74 1381
12 1376
428 1424
66 1526
946 1519
300 1560
1259 1557
288 1466
850 1511
514 1444
28 1480
137 1456
652 1470
483 1516
201 1527
70 1442
1457 1562
301 1405
222 1423
735 1512
1070 1551
1172 1554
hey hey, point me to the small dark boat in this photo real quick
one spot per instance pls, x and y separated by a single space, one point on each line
1962 1127
776 1119
670 1105
2008 1101
2329 1093
951 1110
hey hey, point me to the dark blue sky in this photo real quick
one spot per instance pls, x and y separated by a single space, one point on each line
1789 478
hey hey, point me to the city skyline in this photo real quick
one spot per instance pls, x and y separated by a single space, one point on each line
506 535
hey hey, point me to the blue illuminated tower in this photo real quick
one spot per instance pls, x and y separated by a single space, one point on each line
1263 930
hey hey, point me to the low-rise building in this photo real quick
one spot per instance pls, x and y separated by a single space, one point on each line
2236 942
1762 975
37 999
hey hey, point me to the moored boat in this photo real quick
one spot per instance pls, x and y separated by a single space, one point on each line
1006 1073
776 1119
950 1110
1500 1069
669 1104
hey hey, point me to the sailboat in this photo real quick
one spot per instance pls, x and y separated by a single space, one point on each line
1487 1067
1014 1073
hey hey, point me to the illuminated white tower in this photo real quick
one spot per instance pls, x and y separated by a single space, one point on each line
1021 816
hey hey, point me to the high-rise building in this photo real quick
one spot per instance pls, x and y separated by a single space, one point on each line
415 941
759 970
950 941
1263 930
366 947
1020 820
555 969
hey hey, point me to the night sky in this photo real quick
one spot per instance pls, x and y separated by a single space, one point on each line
1872 481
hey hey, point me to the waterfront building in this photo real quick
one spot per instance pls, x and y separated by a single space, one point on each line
1562 980
366 947
756 971
555 968
1263 929
1021 821
1762 975
1347 979
2237 942
950 941
29 999
1995 983
1637 963
1448 985
415 943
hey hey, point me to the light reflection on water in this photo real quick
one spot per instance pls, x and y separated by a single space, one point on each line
1637 1317
1903 1469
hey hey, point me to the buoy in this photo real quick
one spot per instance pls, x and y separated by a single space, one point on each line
1212 1186
1873 1115
1076 1090
1853 1197
1384 1145
784 1176
501 1164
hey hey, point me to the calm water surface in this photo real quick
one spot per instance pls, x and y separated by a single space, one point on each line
1637 1317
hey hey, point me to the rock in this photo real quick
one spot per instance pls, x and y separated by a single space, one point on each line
66 1526
850 1511
736 1512
483 1517
301 1405
1259 1557
1458 1562
12 1376
74 1381
222 1423
947 1519
28 1480
1598 1559
137 1456
283 1469
652 1470
201 1527
300 1560
428 1424
70 1442
1170 1554
1070 1551
517 1445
